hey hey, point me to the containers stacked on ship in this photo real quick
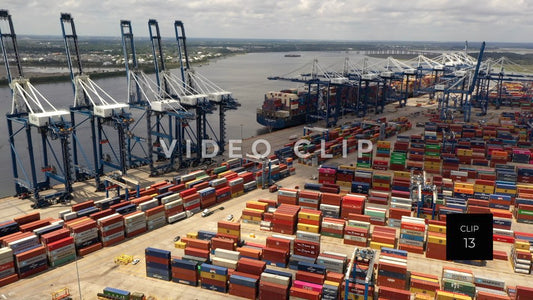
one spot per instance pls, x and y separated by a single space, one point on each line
184 271
60 247
158 263
85 233
214 278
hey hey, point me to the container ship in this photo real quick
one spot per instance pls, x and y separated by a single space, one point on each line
292 107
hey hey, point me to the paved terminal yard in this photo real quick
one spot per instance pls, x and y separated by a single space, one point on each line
98 270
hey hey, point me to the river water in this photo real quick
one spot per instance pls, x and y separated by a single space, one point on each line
244 75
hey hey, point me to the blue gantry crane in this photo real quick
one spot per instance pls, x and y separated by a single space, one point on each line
31 111
457 86
97 107
165 118
194 93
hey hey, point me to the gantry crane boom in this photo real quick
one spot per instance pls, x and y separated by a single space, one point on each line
165 117
30 109
99 105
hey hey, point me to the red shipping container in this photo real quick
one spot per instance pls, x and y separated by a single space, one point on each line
197 252
305 294
278 243
90 249
310 277
83 205
8 279
242 291
31 217
251 266
392 293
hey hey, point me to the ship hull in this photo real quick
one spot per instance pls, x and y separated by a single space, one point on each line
280 123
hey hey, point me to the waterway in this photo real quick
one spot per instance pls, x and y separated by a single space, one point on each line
244 75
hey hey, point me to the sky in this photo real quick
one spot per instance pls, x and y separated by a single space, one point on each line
346 20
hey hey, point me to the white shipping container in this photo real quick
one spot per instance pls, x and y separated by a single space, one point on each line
227 254
171 198
308 236
276 279
226 263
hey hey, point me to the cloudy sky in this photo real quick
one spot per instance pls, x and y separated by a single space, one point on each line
403 20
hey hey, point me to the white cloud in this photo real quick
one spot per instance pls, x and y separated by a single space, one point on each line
492 20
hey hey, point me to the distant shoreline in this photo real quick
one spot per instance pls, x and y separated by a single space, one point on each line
37 77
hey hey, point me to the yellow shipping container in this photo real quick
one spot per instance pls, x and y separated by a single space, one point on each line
436 228
423 292
463 185
425 278
237 194
378 246
421 296
214 276
308 228
436 240
251 218
257 203
357 297
402 174
505 191
309 216
229 231
192 235
442 295
379 184
180 245
521 245
333 283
